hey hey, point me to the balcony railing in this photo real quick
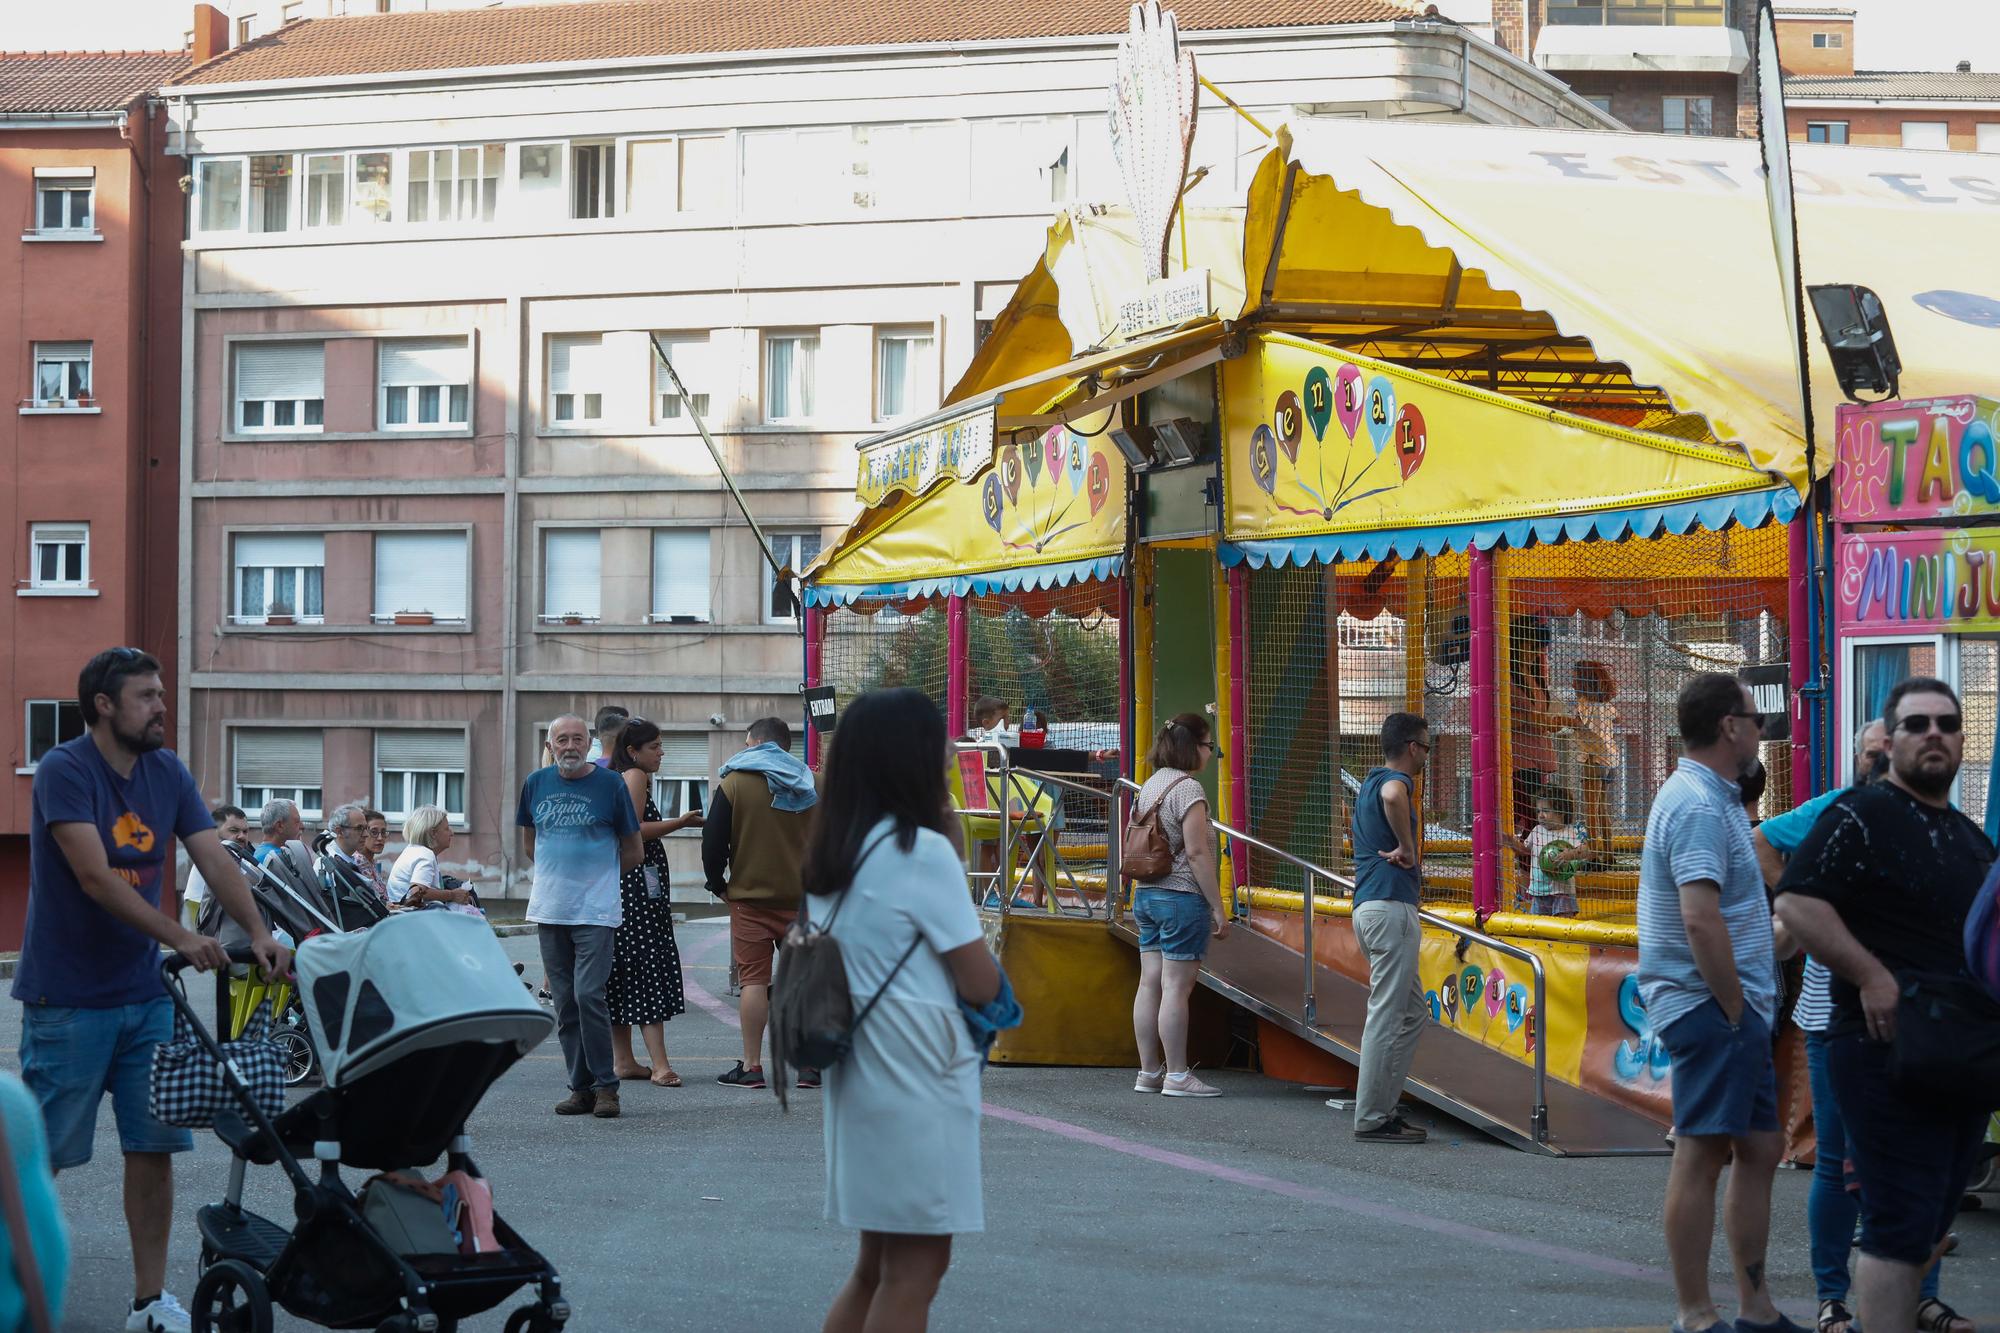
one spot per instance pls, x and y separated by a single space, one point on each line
1642 13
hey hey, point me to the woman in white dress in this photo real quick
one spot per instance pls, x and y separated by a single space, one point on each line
883 873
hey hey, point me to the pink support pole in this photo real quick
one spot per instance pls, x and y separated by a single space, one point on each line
1127 719
958 666
815 672
1800 571
1239 714
1485 700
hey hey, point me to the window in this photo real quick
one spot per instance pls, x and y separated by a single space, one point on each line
593 180
62 374
1826 131
1926 134
279 763
578 372
454 184
789 173
1819 41
63 200
897 167
1022 162
280 386
219 193
905 373
420 573
326 190
246 29
788 376
1601 103
681 785
50 723
571 578
1687 115
680 575
292 12
795 551
538 180
370 188
1987 138
271 192
688 174
59 555
425 382
689 352
414 768
278 575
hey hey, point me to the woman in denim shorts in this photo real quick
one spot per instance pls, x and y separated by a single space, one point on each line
1177 913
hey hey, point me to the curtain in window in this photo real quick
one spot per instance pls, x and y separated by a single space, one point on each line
790 377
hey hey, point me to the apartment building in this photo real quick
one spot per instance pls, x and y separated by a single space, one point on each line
439 489
89 354
1829 100
1659 66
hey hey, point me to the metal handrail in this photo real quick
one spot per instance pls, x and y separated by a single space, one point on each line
1538 1121
1007 771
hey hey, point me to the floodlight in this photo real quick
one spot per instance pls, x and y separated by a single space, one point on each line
1179 438
1856 329
1135 441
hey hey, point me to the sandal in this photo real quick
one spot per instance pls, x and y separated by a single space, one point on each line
1934 1316
638 1072
1834 1317
666 1078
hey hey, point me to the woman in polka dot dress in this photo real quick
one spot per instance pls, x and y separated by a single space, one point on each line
645 989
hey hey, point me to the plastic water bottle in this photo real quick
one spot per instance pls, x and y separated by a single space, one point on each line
1033 736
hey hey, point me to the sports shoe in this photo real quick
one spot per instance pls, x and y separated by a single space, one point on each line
607 1104
807 1079
1393 1130
162 1314
1186 1085
1152 1082
577 1103
740 1077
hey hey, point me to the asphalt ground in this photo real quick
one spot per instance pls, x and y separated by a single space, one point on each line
701 1208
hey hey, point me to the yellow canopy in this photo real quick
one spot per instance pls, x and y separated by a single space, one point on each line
1491 254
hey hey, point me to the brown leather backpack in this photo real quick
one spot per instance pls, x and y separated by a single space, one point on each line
1145 853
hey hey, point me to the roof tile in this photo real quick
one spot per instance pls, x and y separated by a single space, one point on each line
637 29
71 81
1895 85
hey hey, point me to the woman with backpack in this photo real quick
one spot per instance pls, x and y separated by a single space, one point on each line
1177 911
883 878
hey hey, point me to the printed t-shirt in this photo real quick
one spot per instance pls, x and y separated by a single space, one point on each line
578 823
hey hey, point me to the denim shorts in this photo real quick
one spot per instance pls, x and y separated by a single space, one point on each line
1174 925
1723 1081
71 1057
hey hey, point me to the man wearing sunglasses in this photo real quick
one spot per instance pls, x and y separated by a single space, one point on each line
1879 892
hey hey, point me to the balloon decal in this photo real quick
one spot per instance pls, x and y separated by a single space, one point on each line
1100 483
1010 473
1517 1006
1032 454
1319 401
1473 982
1286 422
1496 991
989 500
1347 398
1381 411
1079 457
1264 459
1410 440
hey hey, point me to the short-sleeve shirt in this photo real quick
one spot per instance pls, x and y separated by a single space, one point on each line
1174 799
578 824
1697 831
74 953
1376 879
896 897
1814 1009
1540 884
1902 875
418 867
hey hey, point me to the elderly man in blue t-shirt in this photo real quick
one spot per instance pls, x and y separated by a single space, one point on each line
1708 974
107 807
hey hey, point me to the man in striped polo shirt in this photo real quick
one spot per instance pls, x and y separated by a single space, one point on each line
1708 976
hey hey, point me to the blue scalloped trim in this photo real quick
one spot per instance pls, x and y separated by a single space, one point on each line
1028 577
1746 510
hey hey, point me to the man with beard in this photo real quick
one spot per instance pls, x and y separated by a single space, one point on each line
1879 892
580 832
106 809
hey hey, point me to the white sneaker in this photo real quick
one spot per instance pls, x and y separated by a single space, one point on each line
1187 1085
1149 1082
163 1314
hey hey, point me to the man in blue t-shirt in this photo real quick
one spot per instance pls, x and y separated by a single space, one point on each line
579 830
1388 855
106 809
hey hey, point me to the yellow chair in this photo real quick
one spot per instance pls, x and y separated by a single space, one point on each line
1032 810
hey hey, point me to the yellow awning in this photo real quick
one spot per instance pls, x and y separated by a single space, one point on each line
1426 241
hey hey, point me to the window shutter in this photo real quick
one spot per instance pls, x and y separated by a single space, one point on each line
571 577
684 754
45 532
420 571
281 370
680 573
426 361
420 751
62 351
66 177
575 363
277 757
282 550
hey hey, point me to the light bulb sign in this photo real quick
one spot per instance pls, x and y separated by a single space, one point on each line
916 459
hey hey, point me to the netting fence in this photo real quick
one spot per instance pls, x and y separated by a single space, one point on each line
884 642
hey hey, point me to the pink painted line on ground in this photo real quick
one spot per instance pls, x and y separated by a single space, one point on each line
700 997
1345 1203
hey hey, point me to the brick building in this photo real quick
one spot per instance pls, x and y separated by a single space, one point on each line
89 355
1829 100
1659 66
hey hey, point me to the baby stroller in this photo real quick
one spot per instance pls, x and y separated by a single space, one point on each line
414 1020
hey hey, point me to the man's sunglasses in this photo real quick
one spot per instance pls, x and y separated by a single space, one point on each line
1916 724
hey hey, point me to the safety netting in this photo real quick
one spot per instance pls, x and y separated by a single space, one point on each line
879 642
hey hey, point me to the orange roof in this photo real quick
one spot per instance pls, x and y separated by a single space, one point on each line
50 82
638 29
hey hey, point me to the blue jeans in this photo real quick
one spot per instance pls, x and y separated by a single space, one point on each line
71 1057
1831 1211
1172 924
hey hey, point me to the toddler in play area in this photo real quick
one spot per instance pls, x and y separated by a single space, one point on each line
1553 853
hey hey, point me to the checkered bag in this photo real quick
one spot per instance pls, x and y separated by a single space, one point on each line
188 1088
